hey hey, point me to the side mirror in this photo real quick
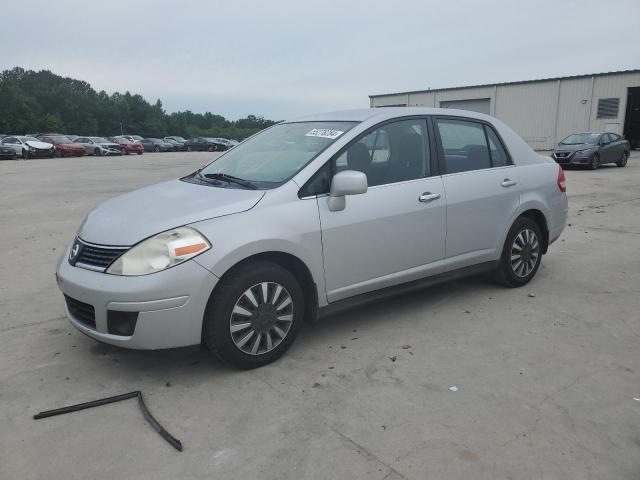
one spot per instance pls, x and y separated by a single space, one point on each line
347 182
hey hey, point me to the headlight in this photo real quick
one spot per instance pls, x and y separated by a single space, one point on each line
160 252
582 151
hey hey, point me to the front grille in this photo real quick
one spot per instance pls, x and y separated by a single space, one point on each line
562 154
97 256
82 312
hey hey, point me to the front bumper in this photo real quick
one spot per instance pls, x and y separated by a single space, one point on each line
572 158
170 304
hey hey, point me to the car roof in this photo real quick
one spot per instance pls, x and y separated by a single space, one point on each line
385 113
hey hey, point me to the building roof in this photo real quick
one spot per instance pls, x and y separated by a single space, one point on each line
505 83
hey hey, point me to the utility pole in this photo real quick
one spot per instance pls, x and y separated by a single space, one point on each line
121 131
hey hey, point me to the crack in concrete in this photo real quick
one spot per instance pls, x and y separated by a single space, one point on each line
367 454
32 324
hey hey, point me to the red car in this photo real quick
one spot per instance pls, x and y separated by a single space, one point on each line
128 146
63 146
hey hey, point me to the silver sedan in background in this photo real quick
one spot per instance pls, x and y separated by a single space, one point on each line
308 217
99 146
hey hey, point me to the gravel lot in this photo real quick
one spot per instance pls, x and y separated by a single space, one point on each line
546 374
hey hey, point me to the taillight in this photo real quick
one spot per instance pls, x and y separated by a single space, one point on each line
562 181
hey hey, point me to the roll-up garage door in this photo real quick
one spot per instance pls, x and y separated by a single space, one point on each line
480 105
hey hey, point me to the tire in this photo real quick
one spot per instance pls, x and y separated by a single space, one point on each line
623 160
25 154
526 235
210 149
140 153
58 153
281 314
97 152
156 149
595 161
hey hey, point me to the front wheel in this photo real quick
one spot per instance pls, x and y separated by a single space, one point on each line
97 152
25 154
157 149
254 315
521 254
623 160
595 161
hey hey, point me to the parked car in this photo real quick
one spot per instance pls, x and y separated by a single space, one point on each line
375 202
592 149
98 146
127 146
7 152
64 147
202 144
72 137
156 145
177 146
133 138
176 138
28 147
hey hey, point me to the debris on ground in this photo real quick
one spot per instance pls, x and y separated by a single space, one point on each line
174 442
532 295
453 388
393 358
636 399
406 347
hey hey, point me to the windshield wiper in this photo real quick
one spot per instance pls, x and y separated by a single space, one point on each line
230 178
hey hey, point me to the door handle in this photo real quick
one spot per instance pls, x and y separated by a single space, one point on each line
507 182
427 197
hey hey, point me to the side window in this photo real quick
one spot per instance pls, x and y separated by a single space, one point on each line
614 137
395 152
499 157
464 145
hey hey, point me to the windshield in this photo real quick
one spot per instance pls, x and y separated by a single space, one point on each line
29 139
276 154
580 138
179 139
100 140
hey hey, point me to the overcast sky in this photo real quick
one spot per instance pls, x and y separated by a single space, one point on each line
289 57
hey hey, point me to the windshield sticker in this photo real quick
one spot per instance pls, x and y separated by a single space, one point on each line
324 133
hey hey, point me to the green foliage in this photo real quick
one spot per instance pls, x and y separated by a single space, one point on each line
42 101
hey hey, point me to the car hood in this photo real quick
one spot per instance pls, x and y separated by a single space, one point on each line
573 148
134 216
34 144
108 144
69 145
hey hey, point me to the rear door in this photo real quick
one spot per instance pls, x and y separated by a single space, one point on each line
395 232
481 184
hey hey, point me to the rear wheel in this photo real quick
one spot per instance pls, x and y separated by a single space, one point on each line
210 149
25 154
254 315
521 254
595 161
623 160
97 152
157 149
58 153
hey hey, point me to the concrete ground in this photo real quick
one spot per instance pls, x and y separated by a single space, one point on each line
546 374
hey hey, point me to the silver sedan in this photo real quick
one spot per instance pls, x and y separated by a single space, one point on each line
308 217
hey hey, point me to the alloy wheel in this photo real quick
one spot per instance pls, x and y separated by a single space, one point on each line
525 251
261 318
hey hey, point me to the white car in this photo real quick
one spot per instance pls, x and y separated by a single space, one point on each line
308 217
29 147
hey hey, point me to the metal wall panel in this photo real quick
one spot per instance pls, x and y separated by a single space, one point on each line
530 109
573 114
613 86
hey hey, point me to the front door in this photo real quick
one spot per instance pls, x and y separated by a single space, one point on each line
395 232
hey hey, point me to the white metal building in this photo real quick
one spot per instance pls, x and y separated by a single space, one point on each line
541 111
